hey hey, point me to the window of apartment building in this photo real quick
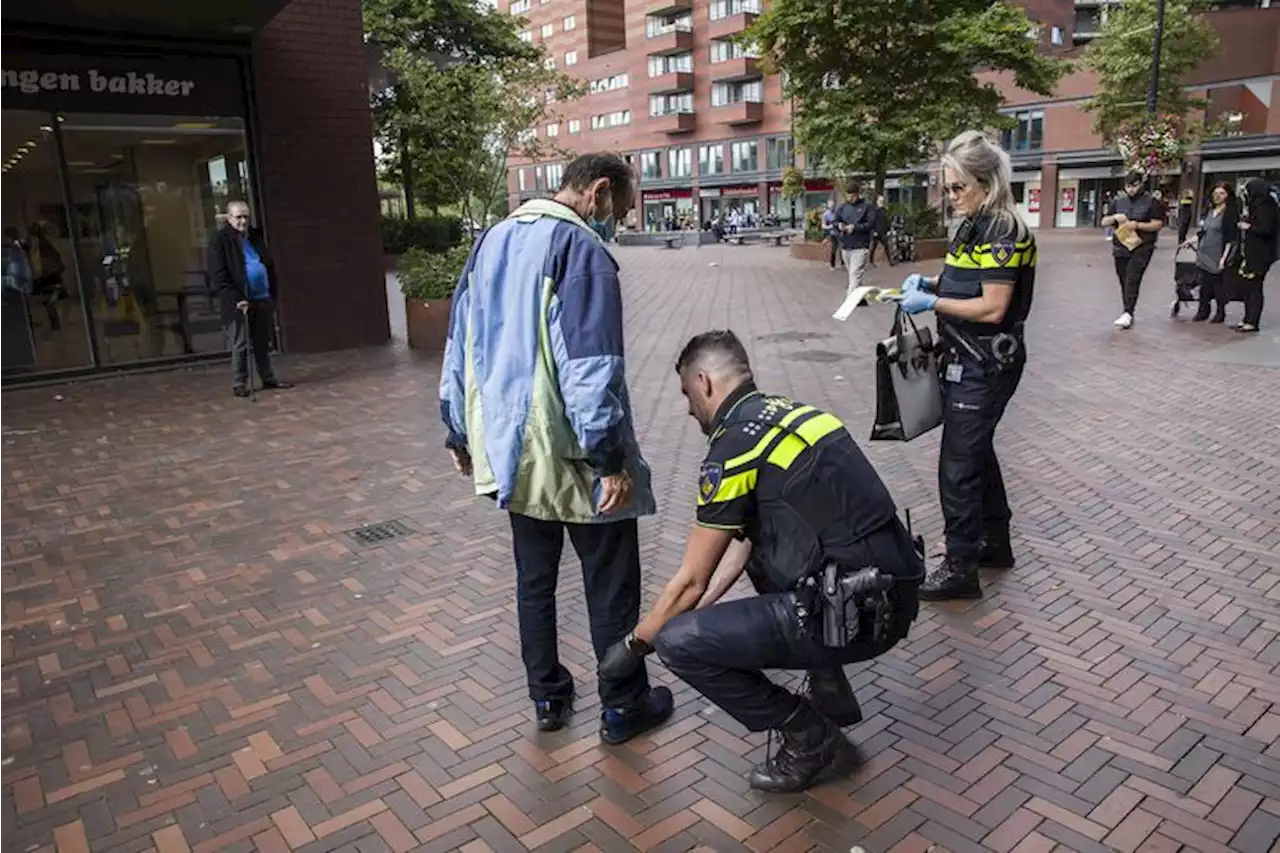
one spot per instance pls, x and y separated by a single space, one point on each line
519 7
671 64
575 125
570 22
548 30
660 25
650 165
723 94
570 58
539 182
526 36
1028 135
778 152
727 8
723 50
555 174
522 179
608 84
1057 37
618 118
664 105
680 163
553 129
711 160
543 2
743 156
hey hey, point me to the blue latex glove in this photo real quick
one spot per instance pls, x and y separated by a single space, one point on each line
915 282
915 301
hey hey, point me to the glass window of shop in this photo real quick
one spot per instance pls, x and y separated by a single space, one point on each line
117 173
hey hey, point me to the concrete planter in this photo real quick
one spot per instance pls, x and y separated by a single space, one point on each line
805 251
427 323
931 250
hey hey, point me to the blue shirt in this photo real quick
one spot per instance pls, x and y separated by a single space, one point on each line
255 272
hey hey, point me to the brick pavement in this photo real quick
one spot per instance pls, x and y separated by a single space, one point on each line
196 658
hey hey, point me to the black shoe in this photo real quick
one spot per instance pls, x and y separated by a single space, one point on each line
955 578
276 385
812 750
240 392
1200 318
831 694
619 725
1220 317
553 714
995 554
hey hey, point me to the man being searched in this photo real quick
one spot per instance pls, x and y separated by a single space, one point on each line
981 299
534 395
243 277
785 494
855 220
1137 217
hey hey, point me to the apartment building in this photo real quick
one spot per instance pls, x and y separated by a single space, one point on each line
707 131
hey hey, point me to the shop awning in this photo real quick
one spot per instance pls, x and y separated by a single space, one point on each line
223 19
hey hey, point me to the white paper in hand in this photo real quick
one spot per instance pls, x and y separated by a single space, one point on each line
861 296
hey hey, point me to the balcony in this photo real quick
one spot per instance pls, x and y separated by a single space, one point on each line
742 68
677 40
743 112
675 81
674 124
731 25
662 8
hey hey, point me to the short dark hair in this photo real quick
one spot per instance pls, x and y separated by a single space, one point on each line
1134 178
720 342
853 188
585 170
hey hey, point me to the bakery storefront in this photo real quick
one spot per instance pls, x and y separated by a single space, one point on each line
116 167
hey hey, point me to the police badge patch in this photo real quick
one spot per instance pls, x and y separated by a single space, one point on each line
1002 252
709 480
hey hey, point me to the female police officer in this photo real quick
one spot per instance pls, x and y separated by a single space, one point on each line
981 299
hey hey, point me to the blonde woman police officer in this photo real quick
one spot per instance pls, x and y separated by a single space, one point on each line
981 299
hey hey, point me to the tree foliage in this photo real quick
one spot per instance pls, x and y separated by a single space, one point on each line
1122 56
877 83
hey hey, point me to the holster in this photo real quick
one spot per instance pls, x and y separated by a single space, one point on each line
1001 351
853 605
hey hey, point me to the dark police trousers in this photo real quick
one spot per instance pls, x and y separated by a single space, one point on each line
971 486
721 650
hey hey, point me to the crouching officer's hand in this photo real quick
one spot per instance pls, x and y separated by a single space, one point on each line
623 658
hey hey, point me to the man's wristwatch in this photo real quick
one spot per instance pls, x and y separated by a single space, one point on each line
637 645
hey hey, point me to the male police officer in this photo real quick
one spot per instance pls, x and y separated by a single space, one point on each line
835 570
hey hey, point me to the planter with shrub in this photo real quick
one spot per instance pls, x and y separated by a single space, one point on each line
427 280
434 234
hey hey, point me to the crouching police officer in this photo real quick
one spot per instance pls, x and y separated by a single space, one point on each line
785 494
981 299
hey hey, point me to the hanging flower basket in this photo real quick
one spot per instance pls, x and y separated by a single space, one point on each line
1151 145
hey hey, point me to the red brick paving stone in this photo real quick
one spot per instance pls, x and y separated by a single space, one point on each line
70 838
207 606
170 840
1009 833
1133 831
270 841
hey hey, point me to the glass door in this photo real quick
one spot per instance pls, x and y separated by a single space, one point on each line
45 325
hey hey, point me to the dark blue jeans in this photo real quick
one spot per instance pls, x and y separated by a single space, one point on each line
610 555
970 483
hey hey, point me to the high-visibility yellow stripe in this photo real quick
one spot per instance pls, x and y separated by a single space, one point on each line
731 488
786 452
769 435
809 432
964 262
819 427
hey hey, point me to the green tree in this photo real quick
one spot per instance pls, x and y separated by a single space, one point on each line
877 83
1122 56
442 33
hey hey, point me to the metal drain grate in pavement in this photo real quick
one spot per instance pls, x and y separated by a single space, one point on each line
379 532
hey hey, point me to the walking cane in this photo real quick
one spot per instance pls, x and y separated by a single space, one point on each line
253 361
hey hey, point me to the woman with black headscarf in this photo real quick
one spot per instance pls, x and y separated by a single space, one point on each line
1258 249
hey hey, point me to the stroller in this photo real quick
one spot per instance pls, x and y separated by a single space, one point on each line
1186 284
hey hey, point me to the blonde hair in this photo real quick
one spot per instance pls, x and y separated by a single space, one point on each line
977 158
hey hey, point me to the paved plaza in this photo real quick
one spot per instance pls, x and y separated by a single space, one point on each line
199 656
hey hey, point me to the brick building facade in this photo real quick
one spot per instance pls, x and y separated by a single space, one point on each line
128 127
706 130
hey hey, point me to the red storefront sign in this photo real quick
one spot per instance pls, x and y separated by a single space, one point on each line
1033 201
815 185
1068 200
739 191
667 195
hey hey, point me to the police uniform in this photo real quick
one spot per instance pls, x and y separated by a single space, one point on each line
789 478
980 368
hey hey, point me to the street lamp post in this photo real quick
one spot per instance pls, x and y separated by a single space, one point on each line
1154 90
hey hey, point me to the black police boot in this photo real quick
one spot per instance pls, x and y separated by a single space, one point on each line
996 553
553 714
955 578
812 750
832 695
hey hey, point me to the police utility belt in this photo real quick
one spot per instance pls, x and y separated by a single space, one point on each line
1001 350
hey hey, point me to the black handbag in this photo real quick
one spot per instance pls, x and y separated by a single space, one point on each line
908 391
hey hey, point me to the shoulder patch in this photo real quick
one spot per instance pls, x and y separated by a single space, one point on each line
1002 252
709 480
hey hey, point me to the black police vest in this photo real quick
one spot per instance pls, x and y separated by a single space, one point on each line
817 496
977 252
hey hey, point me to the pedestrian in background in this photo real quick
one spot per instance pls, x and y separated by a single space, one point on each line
1258 232
1213 243
831 234
854 221
534 395
1137 216
880 232
243 277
